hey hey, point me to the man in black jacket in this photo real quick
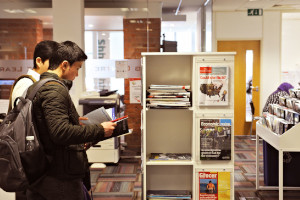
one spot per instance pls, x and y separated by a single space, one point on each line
61 134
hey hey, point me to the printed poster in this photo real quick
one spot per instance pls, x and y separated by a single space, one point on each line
214 185
128 68
135 85
121 69
215 139
213 86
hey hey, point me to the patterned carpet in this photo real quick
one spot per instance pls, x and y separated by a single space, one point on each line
122 181
245 173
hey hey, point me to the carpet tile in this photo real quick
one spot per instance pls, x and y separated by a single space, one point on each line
123 181
245 173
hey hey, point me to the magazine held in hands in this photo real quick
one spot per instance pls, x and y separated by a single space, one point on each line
100 115
213 86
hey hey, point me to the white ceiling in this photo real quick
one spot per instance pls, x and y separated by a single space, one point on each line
114 22
241 5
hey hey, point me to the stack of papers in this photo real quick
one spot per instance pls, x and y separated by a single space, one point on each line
168 96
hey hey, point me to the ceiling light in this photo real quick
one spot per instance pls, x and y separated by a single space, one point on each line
30 11
91 25
13 11
177 10
133 9
124 9
207 1
46 23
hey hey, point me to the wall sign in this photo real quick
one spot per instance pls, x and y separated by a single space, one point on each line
135 90
255 12
14 68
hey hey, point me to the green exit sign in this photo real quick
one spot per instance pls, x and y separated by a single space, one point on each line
255 12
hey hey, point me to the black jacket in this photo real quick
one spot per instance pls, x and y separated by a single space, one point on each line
57 123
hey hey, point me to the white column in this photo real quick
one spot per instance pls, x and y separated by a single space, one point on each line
68 24
270 55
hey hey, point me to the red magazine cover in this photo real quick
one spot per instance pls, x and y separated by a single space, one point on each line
208 185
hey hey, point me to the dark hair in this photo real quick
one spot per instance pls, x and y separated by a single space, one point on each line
68 51
44 50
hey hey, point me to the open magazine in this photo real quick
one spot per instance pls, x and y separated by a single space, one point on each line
100 115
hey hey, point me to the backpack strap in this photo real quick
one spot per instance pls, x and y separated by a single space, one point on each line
40 84
13 86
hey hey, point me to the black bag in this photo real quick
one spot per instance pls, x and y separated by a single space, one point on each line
13 86
20 168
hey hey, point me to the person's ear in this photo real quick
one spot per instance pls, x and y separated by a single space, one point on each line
65 64
38 62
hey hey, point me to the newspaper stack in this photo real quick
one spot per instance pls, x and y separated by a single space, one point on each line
168 96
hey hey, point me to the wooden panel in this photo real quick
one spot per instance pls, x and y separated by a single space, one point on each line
241 127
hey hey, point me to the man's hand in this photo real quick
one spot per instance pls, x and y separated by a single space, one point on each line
82 118
108 128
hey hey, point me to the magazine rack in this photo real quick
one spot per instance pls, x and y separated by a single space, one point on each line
177 130
287 142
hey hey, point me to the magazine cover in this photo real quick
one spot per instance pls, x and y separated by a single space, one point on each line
214 185
215 139
213 86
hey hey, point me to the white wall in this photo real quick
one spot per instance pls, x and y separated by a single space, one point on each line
237 26
267 28
70 26
290 42
270 68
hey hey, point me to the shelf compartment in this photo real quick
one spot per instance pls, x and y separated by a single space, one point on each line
169 177
169 131
170 162
167 70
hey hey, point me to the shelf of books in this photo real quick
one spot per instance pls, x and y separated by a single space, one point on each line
187 123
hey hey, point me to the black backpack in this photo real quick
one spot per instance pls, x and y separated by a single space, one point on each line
19 168
13 86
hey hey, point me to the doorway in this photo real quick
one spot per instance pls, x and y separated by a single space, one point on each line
246 77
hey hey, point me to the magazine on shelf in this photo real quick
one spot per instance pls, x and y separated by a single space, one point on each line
214 185
213 86
169 194
169 87
100 115
215 139
170 156
168 96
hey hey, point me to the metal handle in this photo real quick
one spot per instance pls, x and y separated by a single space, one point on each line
254 88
